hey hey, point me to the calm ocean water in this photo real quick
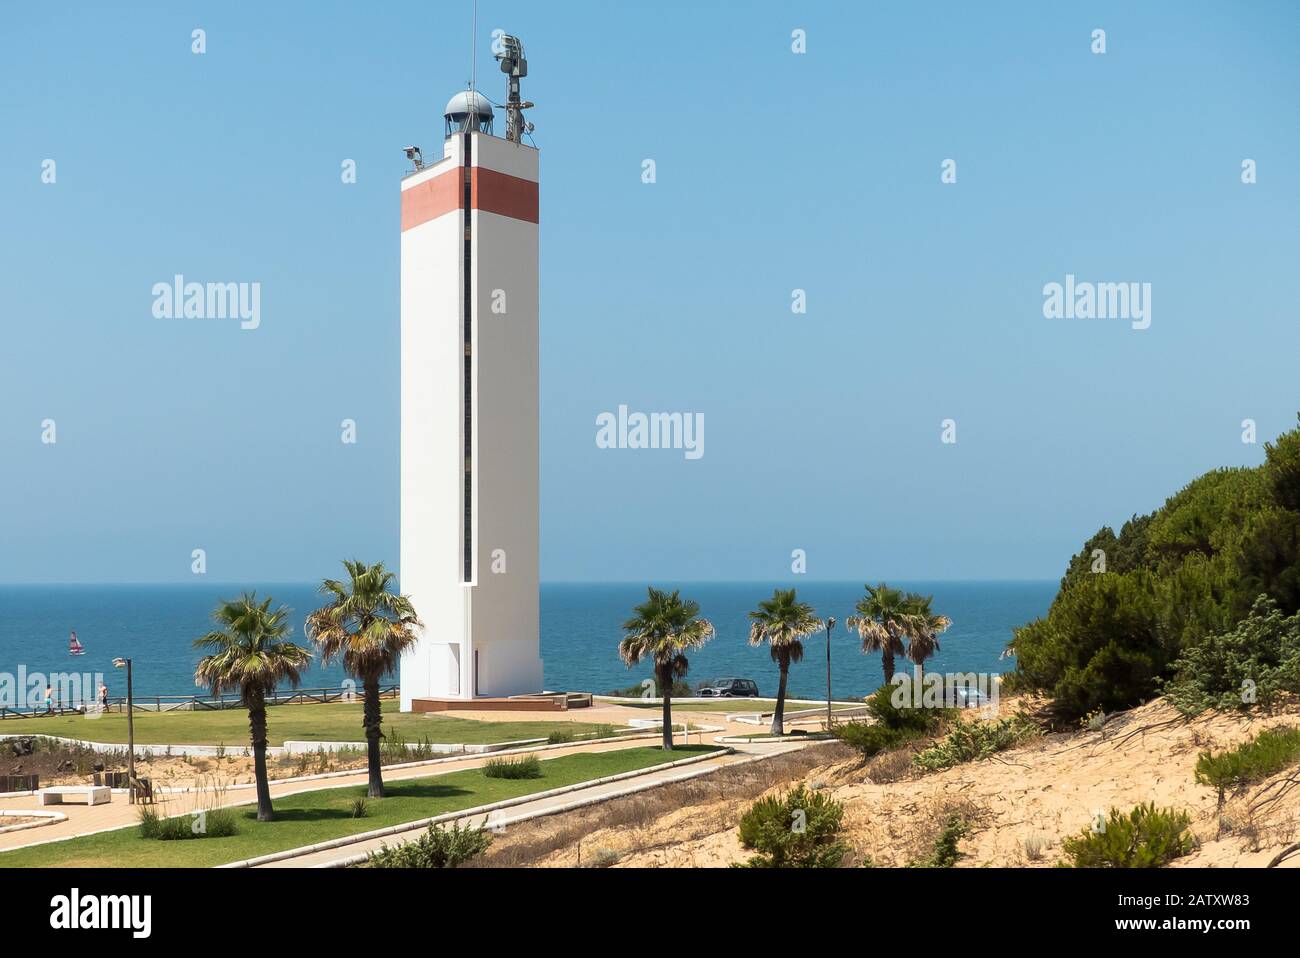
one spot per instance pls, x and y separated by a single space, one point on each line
154 625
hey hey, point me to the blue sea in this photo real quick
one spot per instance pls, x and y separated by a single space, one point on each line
155 626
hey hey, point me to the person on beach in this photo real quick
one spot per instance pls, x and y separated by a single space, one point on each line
103 697
49 700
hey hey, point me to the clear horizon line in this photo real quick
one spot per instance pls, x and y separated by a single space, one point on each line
216 583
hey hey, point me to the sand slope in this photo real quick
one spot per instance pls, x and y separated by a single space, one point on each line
1020 805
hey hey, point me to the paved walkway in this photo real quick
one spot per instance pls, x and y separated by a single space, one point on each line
84 820
542 806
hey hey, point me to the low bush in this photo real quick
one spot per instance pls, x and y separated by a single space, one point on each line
681 690
1147 837
604 857
973 741
906 719
394 749
1251 664
868 739
524 766
210 823
894 725
437 848
944 854
361 807
799 829
559 737
1268 753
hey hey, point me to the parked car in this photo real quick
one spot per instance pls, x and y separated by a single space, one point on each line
728 688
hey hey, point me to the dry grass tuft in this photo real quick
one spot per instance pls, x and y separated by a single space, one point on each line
706 805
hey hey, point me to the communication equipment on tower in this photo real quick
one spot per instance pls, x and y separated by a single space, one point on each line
514 65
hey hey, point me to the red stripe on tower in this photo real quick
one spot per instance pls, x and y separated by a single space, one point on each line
490 192
501 193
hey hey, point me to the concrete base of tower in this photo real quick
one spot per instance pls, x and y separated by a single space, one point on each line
495 669
535 702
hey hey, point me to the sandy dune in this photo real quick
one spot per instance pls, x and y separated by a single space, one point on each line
1020 805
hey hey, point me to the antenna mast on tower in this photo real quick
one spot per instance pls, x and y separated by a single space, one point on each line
514 65
473 42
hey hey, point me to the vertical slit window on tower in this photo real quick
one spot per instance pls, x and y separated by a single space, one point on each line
467 548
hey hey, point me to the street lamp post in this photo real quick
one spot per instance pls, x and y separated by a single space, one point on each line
830 624
130 731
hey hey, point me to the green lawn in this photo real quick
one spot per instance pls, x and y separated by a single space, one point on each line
310 817
334 722
733 705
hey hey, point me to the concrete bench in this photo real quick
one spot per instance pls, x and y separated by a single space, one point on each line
93 794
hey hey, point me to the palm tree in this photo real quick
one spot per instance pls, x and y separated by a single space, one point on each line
782 621
369 627
663 629
926 627
248 653
885 616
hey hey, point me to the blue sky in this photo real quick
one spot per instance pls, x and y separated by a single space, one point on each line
775 171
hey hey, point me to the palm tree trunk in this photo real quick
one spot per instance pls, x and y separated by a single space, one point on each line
372 717
778 717
665 677
887 663
257 733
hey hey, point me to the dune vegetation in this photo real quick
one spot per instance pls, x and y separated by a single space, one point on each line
1133 607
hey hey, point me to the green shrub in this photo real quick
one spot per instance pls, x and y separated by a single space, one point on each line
437 848
1267 754
1190 570
681 689
908 719
210 823
149 821
559 737
1099 647
524 766
868 739
394 749
361 807
799 829
973 741
604 857
1251 664
944 854
894 726
1147 837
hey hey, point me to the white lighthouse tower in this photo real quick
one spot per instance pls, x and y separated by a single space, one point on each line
469 489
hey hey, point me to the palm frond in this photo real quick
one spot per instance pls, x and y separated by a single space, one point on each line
662 629
366 626
249 651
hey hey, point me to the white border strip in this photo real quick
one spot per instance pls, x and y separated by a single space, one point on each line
467 812
47 818
586 802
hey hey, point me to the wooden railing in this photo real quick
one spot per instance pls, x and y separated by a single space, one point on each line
197 703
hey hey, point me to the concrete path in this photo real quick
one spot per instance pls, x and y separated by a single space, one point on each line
83 820
542 806
86 820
